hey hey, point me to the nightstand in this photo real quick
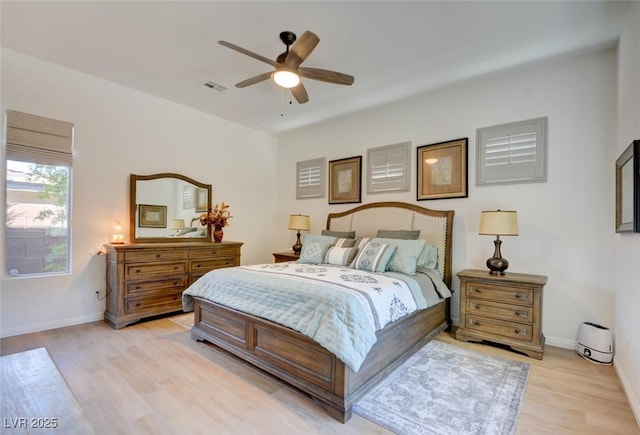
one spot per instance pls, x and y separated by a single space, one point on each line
505 309
279 257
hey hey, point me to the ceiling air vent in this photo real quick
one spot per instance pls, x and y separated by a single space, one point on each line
215 87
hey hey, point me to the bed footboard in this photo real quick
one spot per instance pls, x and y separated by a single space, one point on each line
303 363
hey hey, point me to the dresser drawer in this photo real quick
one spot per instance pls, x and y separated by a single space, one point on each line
215 251
132 271
154 303
202 266
156 255
498 293
506 329
136 287
501 311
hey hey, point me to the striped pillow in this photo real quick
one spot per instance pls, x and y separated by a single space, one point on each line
340 256
374 257
344 243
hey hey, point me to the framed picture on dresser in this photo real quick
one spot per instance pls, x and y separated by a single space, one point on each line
152 216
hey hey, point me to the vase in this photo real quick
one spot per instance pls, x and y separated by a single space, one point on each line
217 234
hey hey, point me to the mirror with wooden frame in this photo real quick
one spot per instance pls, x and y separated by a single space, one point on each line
167 207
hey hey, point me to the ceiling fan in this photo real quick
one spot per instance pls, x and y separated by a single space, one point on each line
288 72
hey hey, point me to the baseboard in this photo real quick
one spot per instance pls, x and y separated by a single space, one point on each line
634 403
560 342
45 326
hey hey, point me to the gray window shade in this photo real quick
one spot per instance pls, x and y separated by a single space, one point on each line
37 139
388 168
512 153
310 178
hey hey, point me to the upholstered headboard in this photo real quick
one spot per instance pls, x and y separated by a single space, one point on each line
435 225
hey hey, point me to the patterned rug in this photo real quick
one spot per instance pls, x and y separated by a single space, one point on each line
445 389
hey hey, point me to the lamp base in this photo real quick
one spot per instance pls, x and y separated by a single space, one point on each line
297 247
497 266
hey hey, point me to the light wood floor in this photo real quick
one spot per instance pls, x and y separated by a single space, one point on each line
152 378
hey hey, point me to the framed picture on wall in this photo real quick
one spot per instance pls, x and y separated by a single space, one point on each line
344 180
442 170
152 216
628 189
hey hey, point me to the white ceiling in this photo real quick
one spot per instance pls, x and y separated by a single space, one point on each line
393 48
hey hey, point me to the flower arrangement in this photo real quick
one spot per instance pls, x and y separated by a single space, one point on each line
217 217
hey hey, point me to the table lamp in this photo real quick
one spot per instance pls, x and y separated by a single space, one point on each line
498 223
177 225
299 222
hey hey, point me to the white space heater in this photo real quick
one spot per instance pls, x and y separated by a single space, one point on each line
595 343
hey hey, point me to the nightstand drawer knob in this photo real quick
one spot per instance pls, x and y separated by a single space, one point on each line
198 265
518 313
519 331
157 255
474 322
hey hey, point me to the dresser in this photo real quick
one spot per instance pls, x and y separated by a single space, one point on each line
147 279
505 309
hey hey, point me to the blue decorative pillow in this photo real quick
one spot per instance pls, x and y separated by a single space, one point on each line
374 257
340 256
428 258
310 238
313 253
405 257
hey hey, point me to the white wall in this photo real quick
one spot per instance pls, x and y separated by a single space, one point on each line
626 274
119 131
565 224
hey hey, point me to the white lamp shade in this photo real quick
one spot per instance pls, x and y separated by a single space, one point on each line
499 223
176 224
299 222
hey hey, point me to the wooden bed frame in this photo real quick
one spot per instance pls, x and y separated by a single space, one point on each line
303 363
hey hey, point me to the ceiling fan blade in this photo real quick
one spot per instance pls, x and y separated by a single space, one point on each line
300 93
301 49
248 53
253 80
324 75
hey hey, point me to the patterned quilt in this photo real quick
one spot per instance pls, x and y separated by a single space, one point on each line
338 307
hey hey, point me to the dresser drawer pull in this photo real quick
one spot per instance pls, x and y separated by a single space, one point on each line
137 304
474 322
138 287
518 313
175 267
519 331
175 282
138 270
175 298
198 265
157 255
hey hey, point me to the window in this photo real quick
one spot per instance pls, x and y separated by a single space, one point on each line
388 168
38 186
512 153
310 178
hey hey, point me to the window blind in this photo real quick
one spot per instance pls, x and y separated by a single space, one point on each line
388 168
310 178
38 139
512 153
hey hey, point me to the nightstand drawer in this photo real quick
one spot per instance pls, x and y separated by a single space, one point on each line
505 329
135 288
500 311
498 293
147 269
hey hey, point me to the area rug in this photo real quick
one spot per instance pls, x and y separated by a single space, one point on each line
445 389
184 320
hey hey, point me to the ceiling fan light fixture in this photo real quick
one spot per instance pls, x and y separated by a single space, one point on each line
286 79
